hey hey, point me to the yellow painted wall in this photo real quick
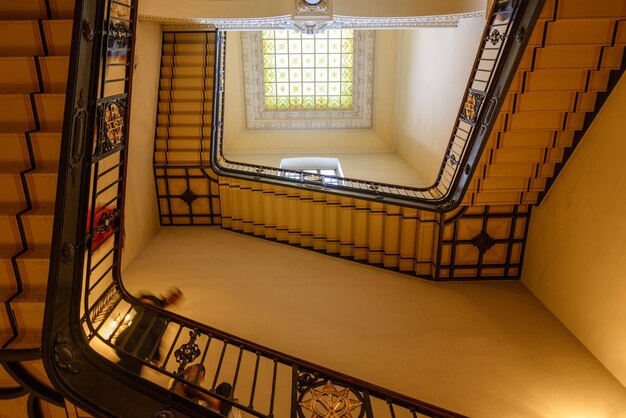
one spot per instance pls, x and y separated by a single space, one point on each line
141 214
263 8
364 153
575 260
487 349
433 69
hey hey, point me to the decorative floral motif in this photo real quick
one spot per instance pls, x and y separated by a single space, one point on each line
65 356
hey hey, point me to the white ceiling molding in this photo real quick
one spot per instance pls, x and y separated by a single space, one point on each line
359 116
338 22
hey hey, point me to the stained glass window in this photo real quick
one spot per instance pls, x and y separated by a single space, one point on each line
303 71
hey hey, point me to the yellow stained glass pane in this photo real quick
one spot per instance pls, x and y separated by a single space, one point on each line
346 46
270 89
268 46
295 89
269 75
295 102
282 89
270 102
295 74
283 102
308 71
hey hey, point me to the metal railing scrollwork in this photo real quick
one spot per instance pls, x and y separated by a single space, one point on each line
501 49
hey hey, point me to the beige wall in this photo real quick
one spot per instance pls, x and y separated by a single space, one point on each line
141 214
383 167
487 349
263 8
575 260
433 69
364 153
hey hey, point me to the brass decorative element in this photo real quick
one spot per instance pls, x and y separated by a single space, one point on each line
68 252
65 356
118 10
495 37
312 177
103 308
112 116
331 402
114 123
473 101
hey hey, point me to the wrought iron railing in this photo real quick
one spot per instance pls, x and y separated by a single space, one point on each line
503 43
88 309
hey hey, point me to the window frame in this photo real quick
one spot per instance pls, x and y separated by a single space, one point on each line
357 117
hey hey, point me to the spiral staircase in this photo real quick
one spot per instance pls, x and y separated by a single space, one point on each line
574 57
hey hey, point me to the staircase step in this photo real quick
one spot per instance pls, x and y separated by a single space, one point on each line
22 10
184 120
180 158
42 186
189 145
580 10
34 265
54 71
50 109
38 225
546 120
10 240
182 38
187 84
58 36
580 31
183 132
14 156
18 75
185 61
508 185
189 72
46 147
12 196
19 38
16 113
204 48
185 96
560 80
532 139
185 108
564 101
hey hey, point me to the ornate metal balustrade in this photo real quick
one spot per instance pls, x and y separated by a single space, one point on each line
503 43
87 307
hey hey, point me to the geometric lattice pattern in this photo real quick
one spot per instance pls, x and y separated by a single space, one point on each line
308 71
